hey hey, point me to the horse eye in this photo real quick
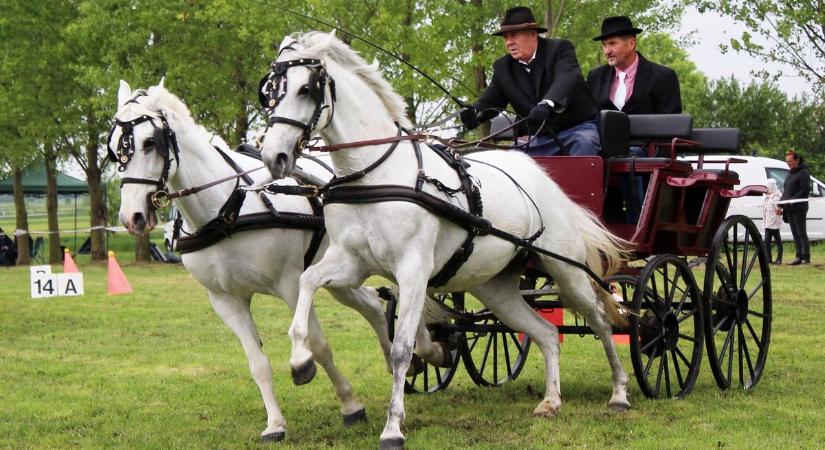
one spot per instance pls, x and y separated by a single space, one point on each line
148 143
304 90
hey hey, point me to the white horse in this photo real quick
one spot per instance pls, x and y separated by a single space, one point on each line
268 261
408 244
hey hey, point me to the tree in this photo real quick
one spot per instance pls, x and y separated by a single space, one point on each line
792 32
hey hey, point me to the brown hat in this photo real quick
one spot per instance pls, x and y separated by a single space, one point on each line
617 26
518 18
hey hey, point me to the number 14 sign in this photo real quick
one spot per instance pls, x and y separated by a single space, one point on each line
44 283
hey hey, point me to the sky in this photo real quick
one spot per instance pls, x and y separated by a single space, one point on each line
712 30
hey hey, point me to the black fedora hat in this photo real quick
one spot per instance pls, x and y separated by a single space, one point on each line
617 26
518 18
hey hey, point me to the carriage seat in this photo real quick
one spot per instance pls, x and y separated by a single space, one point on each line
658 127
716 140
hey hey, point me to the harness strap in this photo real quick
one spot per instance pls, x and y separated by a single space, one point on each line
479 225
359 174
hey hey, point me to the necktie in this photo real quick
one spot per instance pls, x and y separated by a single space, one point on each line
621 92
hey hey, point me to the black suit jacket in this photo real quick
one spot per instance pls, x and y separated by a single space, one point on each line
655 91
555 75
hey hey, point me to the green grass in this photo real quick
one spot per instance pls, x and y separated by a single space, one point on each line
158 369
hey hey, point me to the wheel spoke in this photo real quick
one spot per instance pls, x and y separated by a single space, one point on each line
687 315
665 288
649 364
679 377
506 354
426 375
667 375
757 288
759 314
659 374
730 355
726 343
682 355
735 259
652 341
742 277
475 338
746 352
687 338
720 270
720 323
753 334
519 346
495 357
484 359
438 375
747 273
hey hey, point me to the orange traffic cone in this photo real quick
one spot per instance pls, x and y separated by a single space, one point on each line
117 283
68 262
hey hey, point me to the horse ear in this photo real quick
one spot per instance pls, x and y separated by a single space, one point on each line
124 93
162 80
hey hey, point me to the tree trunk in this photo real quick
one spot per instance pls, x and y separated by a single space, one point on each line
50 160
142 247
479 76
23 248
97 210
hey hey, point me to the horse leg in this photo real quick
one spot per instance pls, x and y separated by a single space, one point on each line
501 295
411 275
235 313
365 300
336 269
578 293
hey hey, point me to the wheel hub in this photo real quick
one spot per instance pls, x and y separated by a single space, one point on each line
741 306
670 330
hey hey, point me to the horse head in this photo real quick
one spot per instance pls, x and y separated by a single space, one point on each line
143 145
298 95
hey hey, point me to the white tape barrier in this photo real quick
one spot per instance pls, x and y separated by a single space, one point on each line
784 202
44 283
83 230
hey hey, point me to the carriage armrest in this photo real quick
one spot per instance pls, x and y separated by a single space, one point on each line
647 127
716 140
752 190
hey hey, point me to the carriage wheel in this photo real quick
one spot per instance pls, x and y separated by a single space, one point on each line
430 378
666 328
493 357
737 296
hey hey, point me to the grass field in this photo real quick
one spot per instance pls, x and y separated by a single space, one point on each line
158 369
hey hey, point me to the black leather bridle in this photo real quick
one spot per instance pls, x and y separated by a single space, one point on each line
165 143
272 89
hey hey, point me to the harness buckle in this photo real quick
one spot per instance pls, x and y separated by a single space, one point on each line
160 199
314 191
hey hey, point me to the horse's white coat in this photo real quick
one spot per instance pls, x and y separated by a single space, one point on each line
261 261
406 243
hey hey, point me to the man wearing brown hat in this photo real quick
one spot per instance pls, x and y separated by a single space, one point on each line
629 82
542 80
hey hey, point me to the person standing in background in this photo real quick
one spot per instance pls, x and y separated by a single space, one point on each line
772 221
797 187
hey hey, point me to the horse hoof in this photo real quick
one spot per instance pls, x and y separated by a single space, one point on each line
304 374
619 407
273 437
392 444
417 366
357 416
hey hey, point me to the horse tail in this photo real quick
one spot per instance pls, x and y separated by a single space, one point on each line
606 253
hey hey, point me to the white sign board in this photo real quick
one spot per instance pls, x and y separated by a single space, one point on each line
44 283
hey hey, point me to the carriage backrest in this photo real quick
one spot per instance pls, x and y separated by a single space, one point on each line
658 127
716 140
614 133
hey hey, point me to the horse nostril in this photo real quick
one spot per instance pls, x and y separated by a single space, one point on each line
139 221
281 159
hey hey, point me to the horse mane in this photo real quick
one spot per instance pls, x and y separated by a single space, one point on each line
162 98
329 47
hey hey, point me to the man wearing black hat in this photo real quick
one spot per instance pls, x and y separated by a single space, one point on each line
542 80
629 82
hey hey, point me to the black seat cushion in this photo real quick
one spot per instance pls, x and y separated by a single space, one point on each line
614 133
499 123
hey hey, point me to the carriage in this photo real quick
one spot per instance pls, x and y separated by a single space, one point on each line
698 280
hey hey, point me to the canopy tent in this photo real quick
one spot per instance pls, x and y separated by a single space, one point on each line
34 182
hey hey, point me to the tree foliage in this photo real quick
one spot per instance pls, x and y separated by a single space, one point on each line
790 32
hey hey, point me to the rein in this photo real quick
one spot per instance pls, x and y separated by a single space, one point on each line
162 198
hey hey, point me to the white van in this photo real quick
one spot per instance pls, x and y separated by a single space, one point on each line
757 170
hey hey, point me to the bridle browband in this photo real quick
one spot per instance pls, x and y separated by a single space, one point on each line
273 86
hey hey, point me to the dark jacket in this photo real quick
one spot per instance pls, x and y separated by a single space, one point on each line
797 185
655 91
555 75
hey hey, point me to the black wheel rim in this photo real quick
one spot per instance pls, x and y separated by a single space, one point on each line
666 329
493 358
738 304
432 378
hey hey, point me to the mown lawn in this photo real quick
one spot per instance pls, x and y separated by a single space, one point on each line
158 369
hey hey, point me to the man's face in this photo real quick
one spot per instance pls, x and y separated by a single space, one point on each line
521 44
620 51
792 163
